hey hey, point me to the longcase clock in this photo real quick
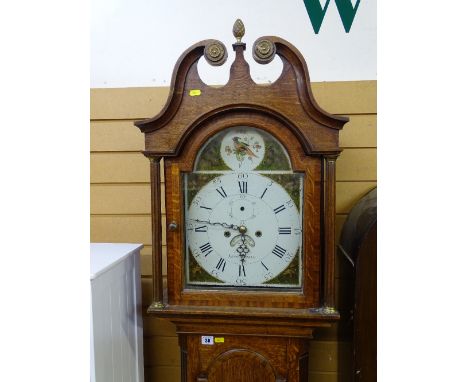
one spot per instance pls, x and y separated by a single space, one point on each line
250 208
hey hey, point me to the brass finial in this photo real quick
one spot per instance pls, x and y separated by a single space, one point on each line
238 30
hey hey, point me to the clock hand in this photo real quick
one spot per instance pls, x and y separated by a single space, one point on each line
224 225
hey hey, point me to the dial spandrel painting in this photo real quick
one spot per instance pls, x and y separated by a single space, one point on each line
243 213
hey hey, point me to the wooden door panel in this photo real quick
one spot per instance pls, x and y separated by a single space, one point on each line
241 365
245 359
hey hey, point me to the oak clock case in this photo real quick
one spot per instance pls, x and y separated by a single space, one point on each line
250 206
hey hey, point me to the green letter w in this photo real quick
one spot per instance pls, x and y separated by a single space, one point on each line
317 13
347 12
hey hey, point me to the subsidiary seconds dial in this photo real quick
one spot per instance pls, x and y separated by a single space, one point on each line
243 228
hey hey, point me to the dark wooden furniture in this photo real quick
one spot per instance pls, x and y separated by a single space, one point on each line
358 243
259 334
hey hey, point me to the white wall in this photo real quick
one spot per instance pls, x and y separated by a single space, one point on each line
135 43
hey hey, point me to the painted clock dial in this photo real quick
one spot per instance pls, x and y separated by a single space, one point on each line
243 213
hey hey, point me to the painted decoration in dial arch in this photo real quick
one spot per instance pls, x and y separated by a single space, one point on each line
242 149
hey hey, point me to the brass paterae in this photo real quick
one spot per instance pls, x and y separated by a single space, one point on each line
264 51
215 53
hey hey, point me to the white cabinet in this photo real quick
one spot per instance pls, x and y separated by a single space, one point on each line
116 322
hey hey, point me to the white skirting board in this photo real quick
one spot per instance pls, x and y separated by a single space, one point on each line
116 322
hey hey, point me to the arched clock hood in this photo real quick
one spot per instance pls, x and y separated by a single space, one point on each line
289 99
